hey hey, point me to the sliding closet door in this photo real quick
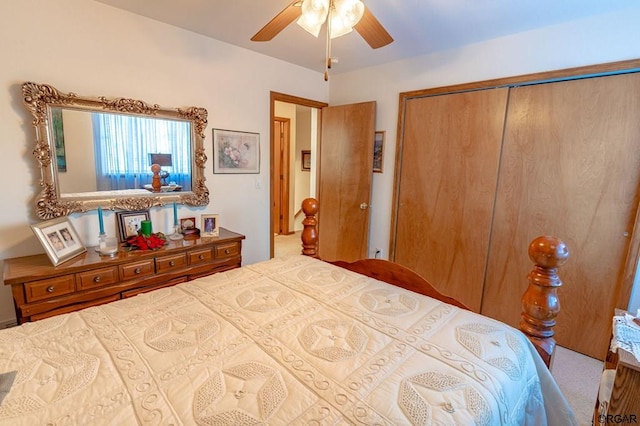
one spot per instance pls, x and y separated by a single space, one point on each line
446 185
570 168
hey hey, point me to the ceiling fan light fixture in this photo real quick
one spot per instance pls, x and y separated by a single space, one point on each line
345 14
314 14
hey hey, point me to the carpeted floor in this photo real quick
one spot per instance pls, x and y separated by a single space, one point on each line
577 375
284 245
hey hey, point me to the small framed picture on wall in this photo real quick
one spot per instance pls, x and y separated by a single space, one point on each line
378 150
306 160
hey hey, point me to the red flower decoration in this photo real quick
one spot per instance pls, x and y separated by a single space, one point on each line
152 242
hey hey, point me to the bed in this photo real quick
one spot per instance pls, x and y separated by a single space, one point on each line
292 340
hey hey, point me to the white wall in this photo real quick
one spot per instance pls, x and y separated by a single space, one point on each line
607 38
80 175
93 49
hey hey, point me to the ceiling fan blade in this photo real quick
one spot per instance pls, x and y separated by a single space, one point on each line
279 22
372 30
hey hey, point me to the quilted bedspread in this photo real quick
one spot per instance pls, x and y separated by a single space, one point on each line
288 341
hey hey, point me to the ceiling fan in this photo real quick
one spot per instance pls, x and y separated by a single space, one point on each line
341 16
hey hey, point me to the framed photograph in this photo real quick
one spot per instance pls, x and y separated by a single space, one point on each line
129 222
306 160
187 223
236 152
210 226
59 239
378 148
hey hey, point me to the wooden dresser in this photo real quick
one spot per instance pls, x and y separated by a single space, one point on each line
41 290
621 402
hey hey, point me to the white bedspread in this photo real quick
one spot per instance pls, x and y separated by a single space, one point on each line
287 341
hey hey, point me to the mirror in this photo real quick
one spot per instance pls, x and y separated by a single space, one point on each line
99 151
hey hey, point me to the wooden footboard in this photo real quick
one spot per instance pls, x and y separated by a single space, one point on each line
540 304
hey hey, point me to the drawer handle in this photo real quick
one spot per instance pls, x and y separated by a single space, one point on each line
96 279
137 271
172 263
50 289
226 251
201 257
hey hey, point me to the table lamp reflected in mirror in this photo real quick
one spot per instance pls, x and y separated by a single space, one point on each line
162 160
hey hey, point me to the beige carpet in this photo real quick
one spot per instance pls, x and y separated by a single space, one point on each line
284 245
577 375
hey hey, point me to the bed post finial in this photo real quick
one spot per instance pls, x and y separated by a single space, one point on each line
310 231
540 304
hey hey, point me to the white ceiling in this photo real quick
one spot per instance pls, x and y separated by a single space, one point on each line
418 26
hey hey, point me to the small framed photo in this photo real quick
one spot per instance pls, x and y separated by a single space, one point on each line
59 239
129 223
210 226
378 148
236 152
306 160
187 223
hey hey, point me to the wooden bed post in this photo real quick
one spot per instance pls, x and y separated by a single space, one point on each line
540 304
310 231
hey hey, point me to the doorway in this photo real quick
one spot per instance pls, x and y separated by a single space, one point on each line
295 128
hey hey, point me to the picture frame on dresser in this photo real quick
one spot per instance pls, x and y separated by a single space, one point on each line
187 223
210 225
129 223
59 239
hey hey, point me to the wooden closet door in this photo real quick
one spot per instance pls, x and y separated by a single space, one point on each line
447 181
570 168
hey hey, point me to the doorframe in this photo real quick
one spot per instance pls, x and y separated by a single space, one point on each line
284 170
282 97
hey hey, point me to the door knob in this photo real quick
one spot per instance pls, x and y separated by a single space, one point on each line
363 206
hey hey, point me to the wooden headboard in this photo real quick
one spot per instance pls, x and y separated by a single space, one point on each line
540 304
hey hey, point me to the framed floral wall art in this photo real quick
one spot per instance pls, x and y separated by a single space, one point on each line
236 152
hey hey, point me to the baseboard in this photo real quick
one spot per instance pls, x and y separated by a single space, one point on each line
8 323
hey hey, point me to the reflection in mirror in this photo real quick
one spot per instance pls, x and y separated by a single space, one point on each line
99 151
123 148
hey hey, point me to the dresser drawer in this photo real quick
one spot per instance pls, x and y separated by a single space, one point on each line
168 263
97 278
227 250
51 287
136 269
197 257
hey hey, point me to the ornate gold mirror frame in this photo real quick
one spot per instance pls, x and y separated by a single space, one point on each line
41 98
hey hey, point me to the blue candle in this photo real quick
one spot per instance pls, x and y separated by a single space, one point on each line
100 220
175 214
